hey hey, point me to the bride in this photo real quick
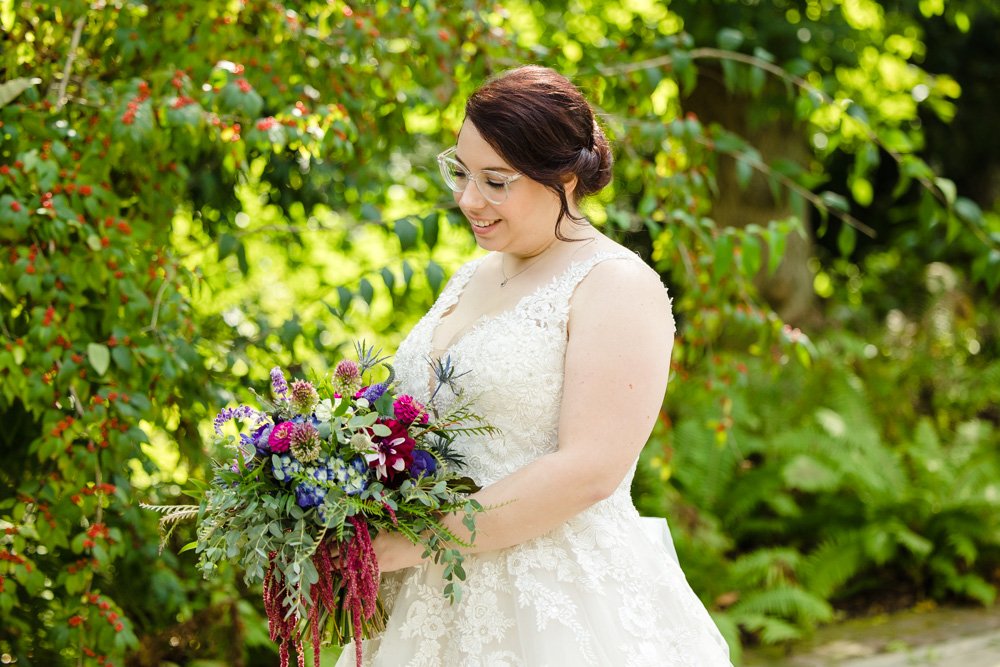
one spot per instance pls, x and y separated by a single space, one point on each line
566 337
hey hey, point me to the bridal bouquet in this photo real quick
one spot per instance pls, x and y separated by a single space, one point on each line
316 471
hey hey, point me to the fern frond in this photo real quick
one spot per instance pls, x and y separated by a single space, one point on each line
771 630
787 602
169 509
182 515
834 563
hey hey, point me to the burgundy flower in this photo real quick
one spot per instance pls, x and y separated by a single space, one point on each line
280 437
392 455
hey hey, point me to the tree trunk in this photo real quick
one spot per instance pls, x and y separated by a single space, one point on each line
790 289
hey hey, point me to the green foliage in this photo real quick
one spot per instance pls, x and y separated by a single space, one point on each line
194 192
875 463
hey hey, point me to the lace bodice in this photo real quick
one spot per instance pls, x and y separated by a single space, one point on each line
514 368
597 590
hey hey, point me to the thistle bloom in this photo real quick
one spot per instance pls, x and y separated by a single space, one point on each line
278 384
347 378
304 442
304 397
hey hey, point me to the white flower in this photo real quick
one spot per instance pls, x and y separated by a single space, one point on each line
324 410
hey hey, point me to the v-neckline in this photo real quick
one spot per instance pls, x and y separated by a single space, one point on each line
486 318
483 319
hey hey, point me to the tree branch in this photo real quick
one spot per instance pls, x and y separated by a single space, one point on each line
74 43
707 53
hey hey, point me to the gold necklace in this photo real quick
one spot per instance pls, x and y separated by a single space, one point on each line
542 254
507 279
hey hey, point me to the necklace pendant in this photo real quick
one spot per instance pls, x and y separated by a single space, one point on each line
505 281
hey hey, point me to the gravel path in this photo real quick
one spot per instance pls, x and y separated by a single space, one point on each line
929 637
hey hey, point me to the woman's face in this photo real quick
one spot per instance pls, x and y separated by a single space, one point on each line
524 224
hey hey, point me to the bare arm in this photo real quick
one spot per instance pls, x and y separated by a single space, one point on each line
617 360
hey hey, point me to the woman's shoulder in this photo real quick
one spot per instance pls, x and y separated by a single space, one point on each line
615 267
619 279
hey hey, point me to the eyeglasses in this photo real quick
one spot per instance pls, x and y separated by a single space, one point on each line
493 185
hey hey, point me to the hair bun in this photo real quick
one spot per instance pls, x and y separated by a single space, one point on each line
593 166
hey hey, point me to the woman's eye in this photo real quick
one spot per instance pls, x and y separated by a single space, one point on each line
458 174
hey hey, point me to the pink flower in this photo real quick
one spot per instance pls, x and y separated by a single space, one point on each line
392 454
280 437
408 410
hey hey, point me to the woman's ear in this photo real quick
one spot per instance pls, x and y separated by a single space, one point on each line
569 184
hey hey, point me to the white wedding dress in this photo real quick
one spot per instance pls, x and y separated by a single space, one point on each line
600 589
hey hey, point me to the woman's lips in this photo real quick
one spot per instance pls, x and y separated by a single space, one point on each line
482 226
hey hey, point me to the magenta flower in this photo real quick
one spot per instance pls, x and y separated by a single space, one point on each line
280 438
408 410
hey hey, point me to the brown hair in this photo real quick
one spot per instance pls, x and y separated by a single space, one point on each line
543 127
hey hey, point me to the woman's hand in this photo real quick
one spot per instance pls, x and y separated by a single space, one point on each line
395 552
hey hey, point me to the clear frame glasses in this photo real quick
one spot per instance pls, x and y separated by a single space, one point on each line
493 185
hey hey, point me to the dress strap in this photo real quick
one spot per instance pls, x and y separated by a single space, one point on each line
456 285
552 305
577 271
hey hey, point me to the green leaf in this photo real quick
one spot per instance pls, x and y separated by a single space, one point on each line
723 255
344 295
366 290
407 233
227 245
947 188
435 275
846 239
807 474
968 210
10 90
729 39
388 277
744 172
99 356
751 257
430 225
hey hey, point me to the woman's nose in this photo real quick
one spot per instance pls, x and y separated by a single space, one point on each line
471 198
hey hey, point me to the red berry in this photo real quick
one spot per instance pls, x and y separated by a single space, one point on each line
15 206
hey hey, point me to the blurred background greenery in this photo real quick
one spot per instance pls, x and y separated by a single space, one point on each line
191 193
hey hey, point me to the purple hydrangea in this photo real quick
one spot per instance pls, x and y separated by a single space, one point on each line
309 495
241 412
